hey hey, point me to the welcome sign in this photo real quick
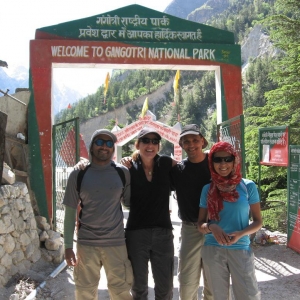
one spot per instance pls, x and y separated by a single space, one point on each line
131 37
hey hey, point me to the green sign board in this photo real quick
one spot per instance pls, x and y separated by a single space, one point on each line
294 198
137 23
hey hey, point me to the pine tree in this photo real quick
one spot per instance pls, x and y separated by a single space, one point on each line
283 104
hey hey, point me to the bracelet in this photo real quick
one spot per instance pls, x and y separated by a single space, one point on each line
205 229
208 226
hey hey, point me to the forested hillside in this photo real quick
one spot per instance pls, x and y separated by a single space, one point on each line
271 84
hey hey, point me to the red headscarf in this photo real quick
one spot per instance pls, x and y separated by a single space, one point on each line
222 188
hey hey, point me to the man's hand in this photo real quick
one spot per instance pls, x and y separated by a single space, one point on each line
81 164
70 257
126 161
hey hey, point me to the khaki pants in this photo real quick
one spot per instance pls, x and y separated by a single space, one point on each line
220 264
190 264
117 268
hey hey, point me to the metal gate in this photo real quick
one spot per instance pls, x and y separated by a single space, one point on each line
65 156
232 131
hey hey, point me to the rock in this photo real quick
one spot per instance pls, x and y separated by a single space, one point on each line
8 177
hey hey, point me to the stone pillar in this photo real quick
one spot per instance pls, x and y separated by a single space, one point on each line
3 121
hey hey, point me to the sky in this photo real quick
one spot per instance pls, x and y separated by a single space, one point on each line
20 18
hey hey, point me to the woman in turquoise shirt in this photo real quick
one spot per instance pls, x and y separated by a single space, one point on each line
226 203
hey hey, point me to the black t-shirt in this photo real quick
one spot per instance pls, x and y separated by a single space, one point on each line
149 202
188 180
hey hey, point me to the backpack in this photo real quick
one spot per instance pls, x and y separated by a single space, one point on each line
78 187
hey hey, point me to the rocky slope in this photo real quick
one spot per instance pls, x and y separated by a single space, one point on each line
207 10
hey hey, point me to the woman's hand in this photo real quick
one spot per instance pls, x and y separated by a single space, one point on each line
81 164
126 161
220 235
234 237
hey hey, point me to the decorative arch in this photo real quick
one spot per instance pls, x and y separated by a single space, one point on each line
169 133
131 37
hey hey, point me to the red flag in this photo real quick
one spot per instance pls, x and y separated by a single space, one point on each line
69 106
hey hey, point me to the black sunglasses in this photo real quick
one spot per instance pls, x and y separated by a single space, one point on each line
108 143
227 159
147 141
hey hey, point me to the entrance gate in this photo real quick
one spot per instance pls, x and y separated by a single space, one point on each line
132 37
66 151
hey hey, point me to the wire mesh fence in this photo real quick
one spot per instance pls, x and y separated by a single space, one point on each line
66 155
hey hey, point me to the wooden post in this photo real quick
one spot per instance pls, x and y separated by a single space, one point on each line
3 121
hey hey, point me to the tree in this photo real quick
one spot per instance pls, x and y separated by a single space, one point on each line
283 102
282 106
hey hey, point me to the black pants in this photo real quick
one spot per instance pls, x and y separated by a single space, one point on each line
156 245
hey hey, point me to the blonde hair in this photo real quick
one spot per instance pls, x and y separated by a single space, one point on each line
135 155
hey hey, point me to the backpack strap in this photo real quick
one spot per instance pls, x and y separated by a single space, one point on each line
79 179
244 186
123 179
120 172
80 204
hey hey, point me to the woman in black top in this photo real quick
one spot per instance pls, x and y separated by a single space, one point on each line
149 234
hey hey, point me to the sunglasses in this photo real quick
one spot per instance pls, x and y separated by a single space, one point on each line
227 159
147 141
108 143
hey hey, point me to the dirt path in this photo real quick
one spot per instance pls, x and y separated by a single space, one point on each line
278 272
278 275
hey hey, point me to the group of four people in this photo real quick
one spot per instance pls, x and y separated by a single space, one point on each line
149 237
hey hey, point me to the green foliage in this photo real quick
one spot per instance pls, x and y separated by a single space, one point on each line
284 32
197 96
125 86
256 82
271 90
241 16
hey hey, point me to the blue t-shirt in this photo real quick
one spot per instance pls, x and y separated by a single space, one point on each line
235 215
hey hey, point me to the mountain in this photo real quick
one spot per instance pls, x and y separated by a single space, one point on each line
63 96
17 78
13 78
210 8
182 9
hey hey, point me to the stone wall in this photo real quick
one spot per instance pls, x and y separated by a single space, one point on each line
24 238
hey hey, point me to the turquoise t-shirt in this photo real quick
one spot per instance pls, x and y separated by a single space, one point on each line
235 215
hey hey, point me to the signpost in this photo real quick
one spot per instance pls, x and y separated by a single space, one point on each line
273 146
293 230
275 150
